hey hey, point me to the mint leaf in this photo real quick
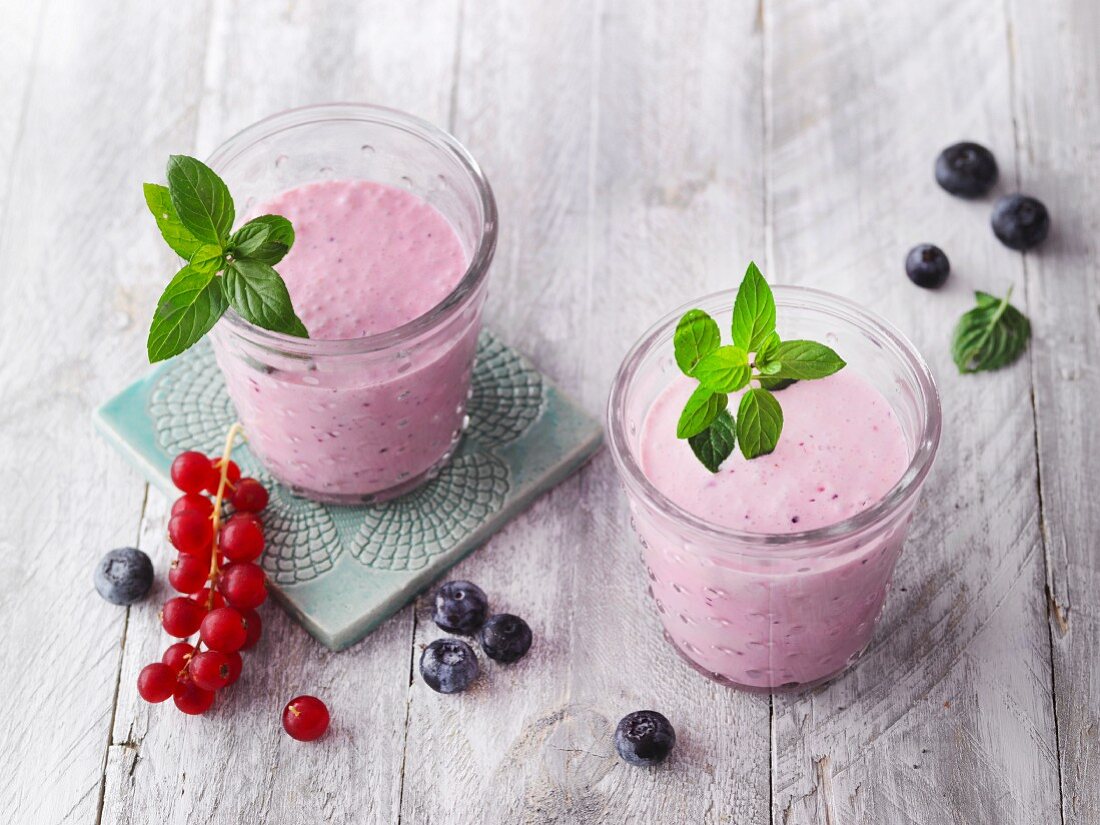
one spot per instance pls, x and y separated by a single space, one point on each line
724 370
280 237
207 258
759 423
258 293
696 335
753 311
803 360
990 336
773 384
175 234
201 199
191 304
247 240
714 444
701 409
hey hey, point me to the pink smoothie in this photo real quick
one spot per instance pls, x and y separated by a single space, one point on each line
765 622
367 259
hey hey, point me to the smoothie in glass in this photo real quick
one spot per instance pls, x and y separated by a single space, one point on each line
771 573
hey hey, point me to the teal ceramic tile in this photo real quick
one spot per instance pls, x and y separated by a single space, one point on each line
341 571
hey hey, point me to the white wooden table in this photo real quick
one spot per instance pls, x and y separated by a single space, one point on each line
641 154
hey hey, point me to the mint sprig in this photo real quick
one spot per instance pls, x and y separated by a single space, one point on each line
757 354
991 335
195 215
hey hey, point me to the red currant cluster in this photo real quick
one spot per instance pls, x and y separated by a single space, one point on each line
220 582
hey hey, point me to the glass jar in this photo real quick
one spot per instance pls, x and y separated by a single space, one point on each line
364 419
763 611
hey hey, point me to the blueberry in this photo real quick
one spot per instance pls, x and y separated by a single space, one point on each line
460 607
927 266
505 638
124 576
448 666
1020 221
967 169
644 738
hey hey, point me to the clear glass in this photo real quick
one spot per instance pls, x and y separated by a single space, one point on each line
775 611
362 419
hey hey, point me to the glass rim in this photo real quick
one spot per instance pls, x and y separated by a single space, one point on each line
767 544
476 270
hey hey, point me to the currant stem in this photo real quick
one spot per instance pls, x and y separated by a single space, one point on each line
223 482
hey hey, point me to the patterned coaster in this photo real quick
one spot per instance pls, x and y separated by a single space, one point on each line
343 570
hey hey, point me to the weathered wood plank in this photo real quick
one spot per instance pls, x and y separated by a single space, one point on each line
236 764
948 717
75 292
628 179
1057 84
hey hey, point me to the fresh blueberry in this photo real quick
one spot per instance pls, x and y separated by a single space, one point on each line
967 169
927 266
505 638
124 576
448 665
1020 221
644 738
460 607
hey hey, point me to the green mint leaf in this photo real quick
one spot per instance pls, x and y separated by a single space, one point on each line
175 234
724 370
207 258
259 295
990 336
696 335
280 237
773 384
714 444
753 311
759 423
247 240
191 304
804 360
701 409
201 199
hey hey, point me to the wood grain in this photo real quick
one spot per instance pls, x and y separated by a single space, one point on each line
948 718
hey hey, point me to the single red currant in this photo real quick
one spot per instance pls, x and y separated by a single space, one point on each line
188 573
181 616
156 682
210 600
193 503
192 699
242 538
223 630
249 496
191 533
210 670
191 472
254 628
244 585
232 476
178 656
235 667
305 718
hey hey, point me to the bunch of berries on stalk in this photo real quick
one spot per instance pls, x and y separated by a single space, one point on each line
217 575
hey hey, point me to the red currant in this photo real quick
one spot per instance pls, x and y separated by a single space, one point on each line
190 533
191 472
178 656
210 600
192 699
244 585
223 630
242 538
193 503
188 573
181 616
305 718
210 670
232 476
254 628
156 682
235 666
249 496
